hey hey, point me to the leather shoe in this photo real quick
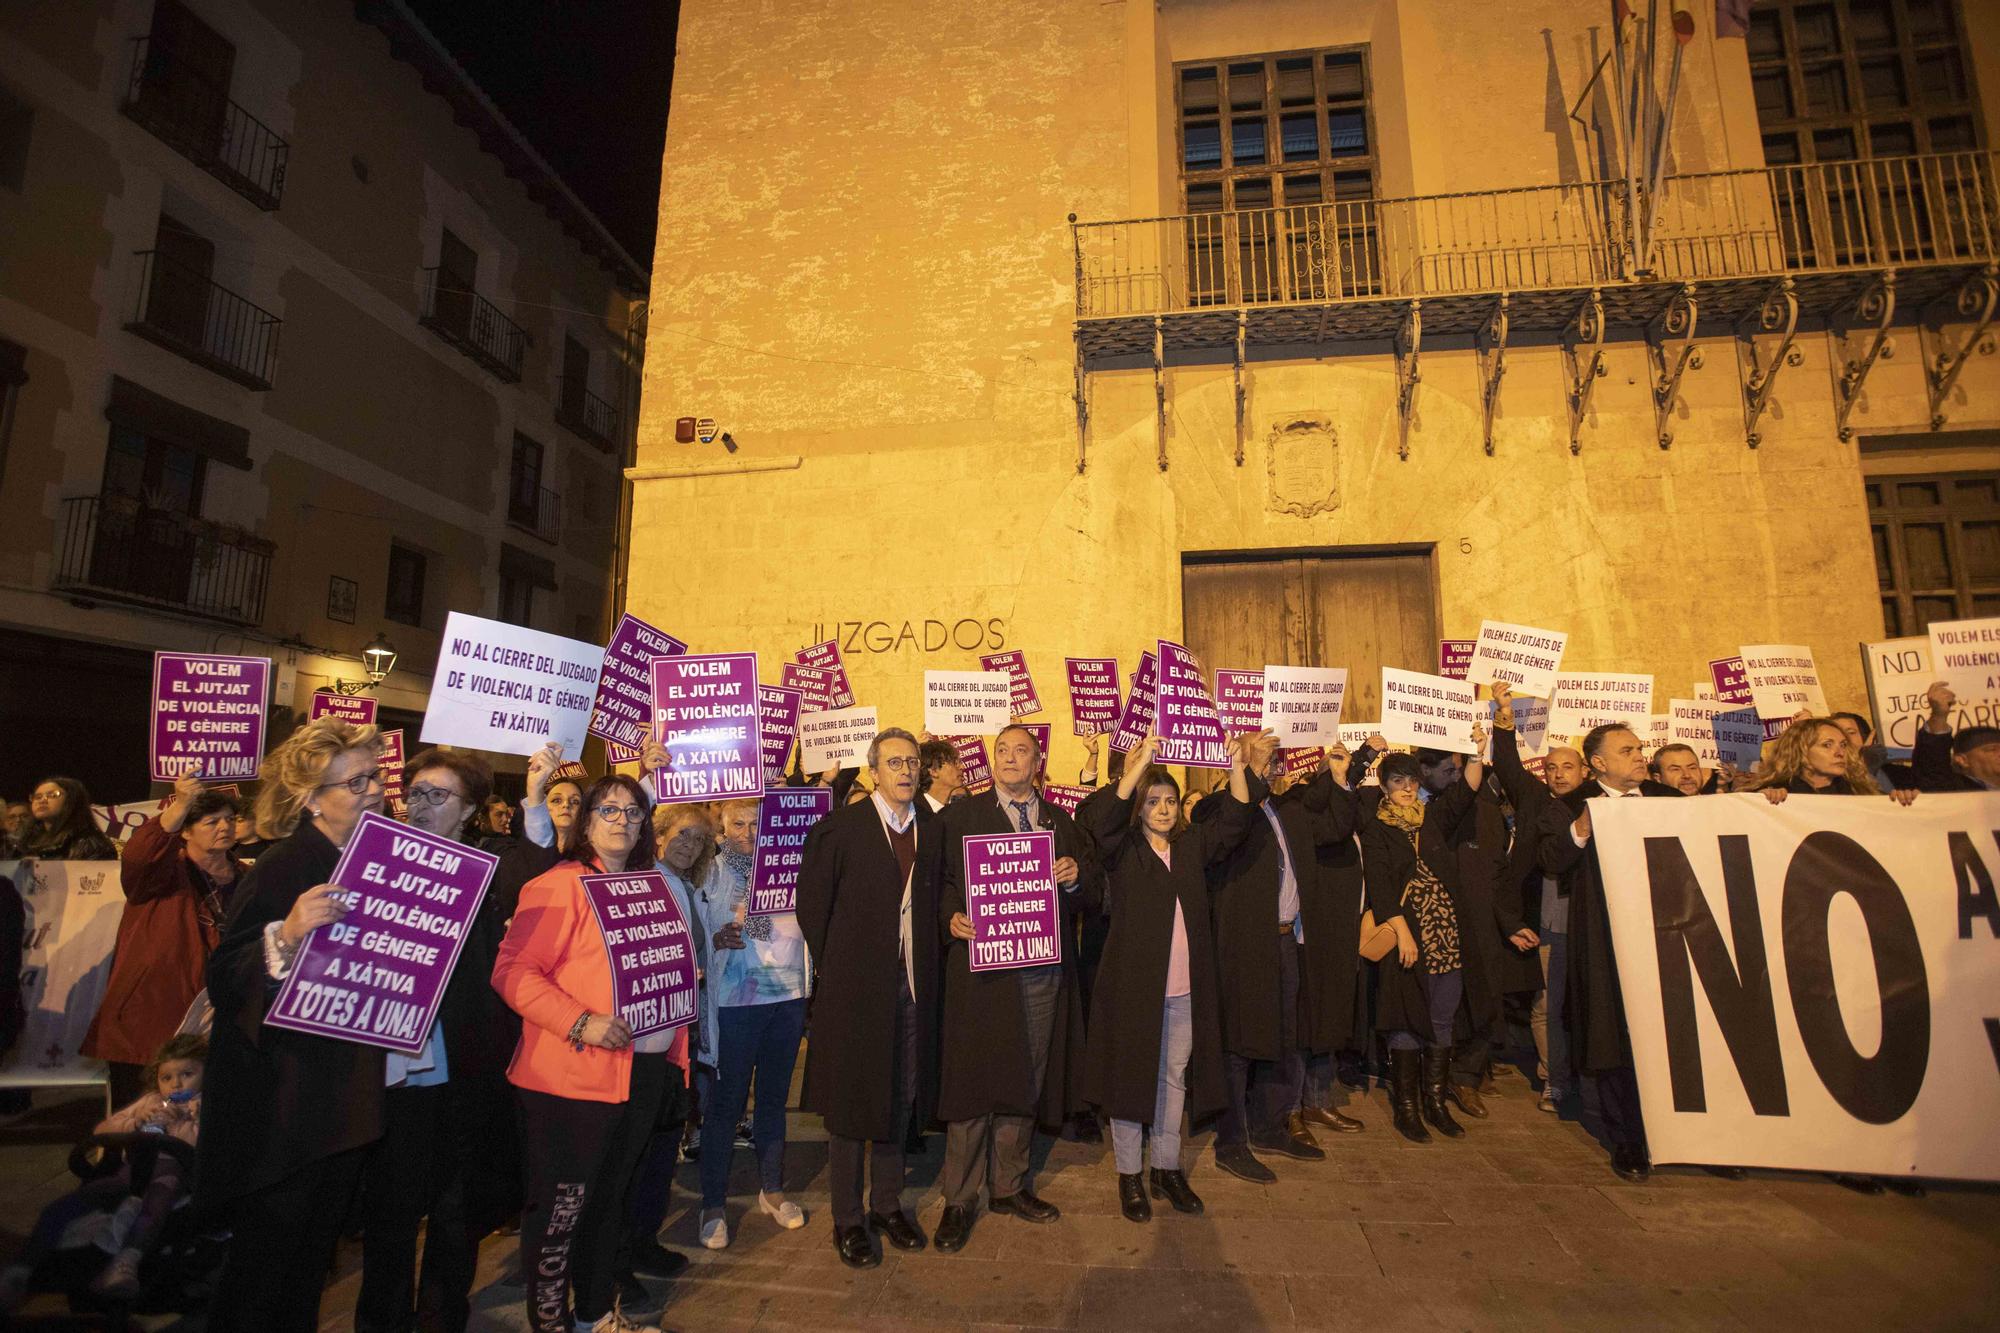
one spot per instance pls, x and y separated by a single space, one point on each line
1332 1119
1238 1161
656 1260
1173 1187
898 1229
1295 1140
1468 1100
1023 1204
1859 1184
1727 1172
856 1250
1132 1198
953 1229
1630 1162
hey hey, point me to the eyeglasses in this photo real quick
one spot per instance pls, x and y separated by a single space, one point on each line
431 796
619 814
358 784
900 765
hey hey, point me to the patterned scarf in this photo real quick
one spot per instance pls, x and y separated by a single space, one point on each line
1410 819
740 863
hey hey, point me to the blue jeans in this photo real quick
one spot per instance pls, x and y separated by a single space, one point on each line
760 1041
1128 1136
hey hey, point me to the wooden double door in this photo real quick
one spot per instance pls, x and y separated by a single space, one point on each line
1361 610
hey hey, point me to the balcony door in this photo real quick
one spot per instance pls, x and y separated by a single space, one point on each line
524 491
186 83
458 270
575 377
179 286
145 541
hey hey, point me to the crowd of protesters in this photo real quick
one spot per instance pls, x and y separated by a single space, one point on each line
1209 975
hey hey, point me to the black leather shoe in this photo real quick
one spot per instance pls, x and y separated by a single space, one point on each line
1132 1198
898 1229
1405 1097
953 1229
656 1260
1328 1118
1468 1100
856 1250
1630 1162
1290 1142
1727 1172
1237 1160
1173 1187
1437 1078
1023 1204
1859 1184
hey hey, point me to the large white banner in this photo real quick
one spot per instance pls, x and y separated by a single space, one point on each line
72 910
1814 985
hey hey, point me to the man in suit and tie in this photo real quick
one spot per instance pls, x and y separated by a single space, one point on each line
867 905
1012 1039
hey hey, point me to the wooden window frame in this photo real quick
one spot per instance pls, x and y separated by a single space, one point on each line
1892 515
389 608
1274 168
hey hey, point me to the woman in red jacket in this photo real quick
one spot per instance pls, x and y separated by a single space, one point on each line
178 874
589 1093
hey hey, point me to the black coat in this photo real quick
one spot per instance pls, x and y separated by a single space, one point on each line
1930 762
1517 893
1315 815
983 1064
524 861
1482 860
1329 965
1594 1006
850 900
1121 1074
273 1100
480 1031
1388 860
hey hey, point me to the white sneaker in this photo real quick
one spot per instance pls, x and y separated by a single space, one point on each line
788 1214
616 1322
715 1232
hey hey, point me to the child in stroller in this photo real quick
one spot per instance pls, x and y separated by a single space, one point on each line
123 1213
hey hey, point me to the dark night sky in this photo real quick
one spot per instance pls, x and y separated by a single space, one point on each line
586 81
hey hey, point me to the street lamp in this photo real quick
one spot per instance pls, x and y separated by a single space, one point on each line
378 659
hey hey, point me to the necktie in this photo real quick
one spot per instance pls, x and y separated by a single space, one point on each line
1021 816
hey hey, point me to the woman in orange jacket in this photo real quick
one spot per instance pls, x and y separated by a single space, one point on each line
589 1093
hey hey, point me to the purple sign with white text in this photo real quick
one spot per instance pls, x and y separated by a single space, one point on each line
624 685
378 974
208 715
784 818
1064 798
1455 657
1093 694
1190 731
826 656
975 774
815 686
358 709
1010 896
705 712
778 726
1137 717
653 982
1023 698
1239 700
1732 680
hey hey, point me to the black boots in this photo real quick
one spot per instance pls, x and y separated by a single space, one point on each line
1173 1187
1132 1199
1437 1080
1403 1080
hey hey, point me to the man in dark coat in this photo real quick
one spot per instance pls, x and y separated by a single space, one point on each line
1011 1041
868 907
1600 1044
1968 761
1480 849
1271 896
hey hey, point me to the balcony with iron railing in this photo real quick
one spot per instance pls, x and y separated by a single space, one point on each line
1350 270
473 324
177 306
196 119
584 412
536 510
117 548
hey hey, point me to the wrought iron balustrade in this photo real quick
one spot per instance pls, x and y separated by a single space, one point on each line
473 324
117 548
536 510
189 113
585 413
179 307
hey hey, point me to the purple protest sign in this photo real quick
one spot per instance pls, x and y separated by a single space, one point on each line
624 686
1064 798
1093 694
358 709
1302 760
1239 700
784 817
826 657
1190 731
378 974
208 715
778 726
653 982
815 686
392 772
1732 680
1010 895
705 710
1136 719
616 754
974 773
1040 731
1024 698
1455 657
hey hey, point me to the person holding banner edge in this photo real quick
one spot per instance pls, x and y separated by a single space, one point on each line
588 1093
1011 1041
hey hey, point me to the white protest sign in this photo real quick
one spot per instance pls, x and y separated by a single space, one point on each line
1523 657
510 690
1899 677
1966 656
1434 712
1691 722
838 738
1809 986
1654 730
1586 699
966 703
1531 727
1302 704
1783 679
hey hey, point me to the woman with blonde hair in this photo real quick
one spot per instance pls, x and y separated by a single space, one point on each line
1815 756
288 1119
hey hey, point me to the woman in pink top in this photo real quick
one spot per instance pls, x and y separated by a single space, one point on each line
1155 1045
589 1093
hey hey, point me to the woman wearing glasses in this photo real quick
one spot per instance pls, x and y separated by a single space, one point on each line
588 1093
287 1119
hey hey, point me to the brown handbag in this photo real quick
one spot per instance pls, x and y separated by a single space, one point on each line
1377 941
